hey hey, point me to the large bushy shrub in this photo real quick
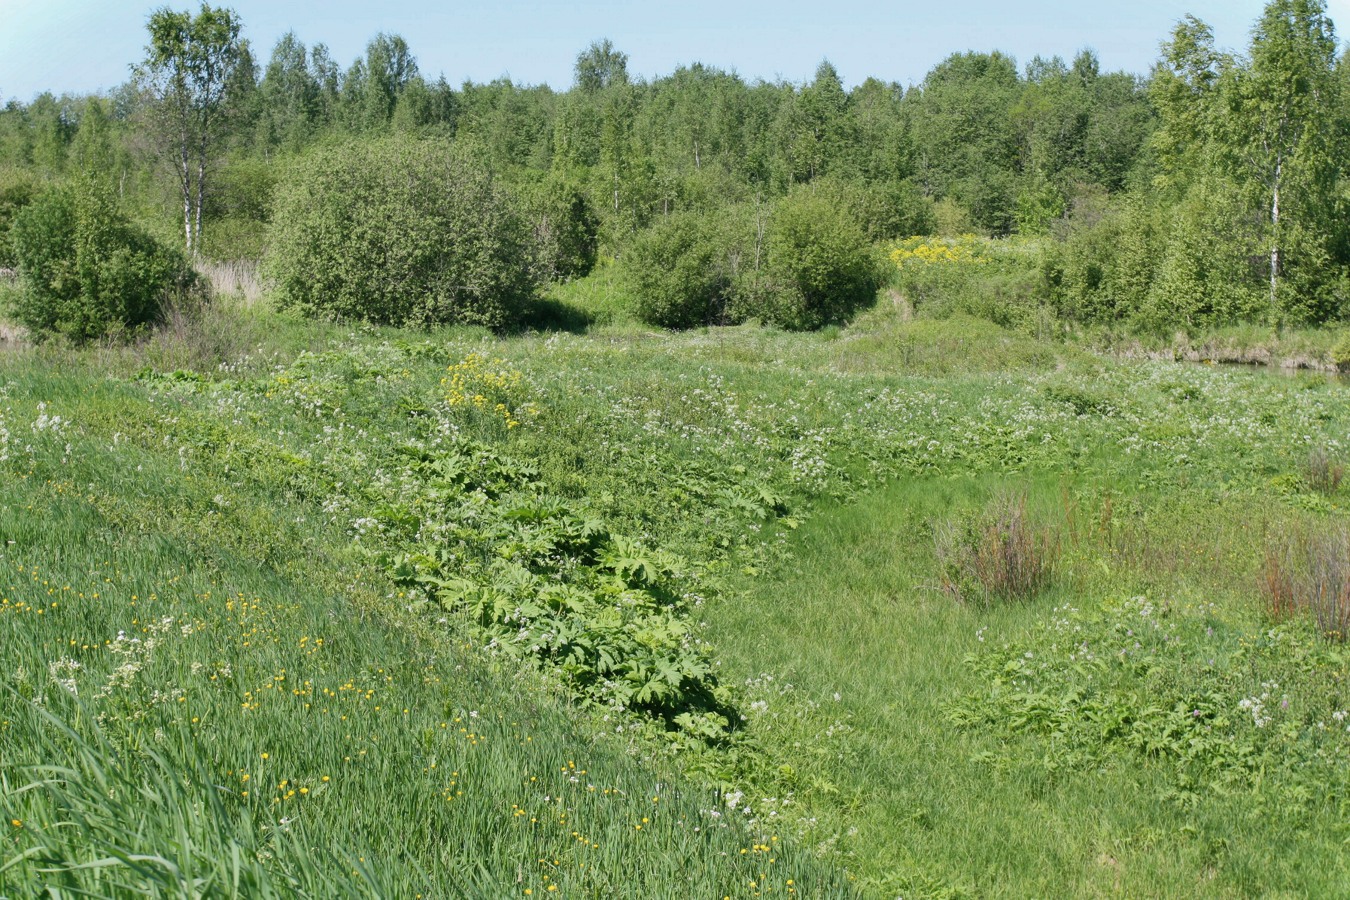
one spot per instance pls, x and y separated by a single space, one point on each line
399 232
87 272
818 266
675 271
800 263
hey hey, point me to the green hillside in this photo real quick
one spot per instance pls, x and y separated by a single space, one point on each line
359 611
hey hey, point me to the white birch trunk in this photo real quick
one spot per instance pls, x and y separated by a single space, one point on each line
1275 236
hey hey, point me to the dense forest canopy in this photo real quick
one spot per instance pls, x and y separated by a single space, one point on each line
1212 189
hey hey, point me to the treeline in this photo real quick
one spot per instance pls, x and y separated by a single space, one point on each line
1212 190
1010 149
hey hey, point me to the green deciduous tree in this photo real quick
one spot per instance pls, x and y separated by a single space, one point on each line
818 133
965 143
600 66
1184 90
1278 122
290 96
389 68
1266 123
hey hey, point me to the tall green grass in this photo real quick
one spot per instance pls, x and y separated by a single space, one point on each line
269 527
212 693
936 754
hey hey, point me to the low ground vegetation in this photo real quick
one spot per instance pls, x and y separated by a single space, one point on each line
643 610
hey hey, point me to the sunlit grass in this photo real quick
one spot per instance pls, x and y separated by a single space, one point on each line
328 741
312 556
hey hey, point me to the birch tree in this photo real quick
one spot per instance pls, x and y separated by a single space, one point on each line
187 74
1280 114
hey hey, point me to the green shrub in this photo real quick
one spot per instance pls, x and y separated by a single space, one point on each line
951 219
893 209
564 226
1340 352
1081 265
86 272
674 270
884 210
399 232
802 263
1203 271
17 190
818 269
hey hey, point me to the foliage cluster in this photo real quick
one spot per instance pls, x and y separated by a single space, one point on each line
399 232
1219 709
800 263
676 272
86 271
1201 196
564 227
17 190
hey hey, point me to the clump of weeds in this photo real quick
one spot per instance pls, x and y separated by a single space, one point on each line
1307 573
1001 554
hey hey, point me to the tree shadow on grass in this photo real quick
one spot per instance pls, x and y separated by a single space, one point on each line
549 314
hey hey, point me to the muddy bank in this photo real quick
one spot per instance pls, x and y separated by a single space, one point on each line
1227 354
12 337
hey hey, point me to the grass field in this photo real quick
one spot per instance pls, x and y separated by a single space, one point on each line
297 608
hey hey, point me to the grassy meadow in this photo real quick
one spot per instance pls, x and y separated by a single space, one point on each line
291 608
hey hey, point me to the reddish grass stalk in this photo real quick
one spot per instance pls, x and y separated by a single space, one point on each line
1308 573
1003 553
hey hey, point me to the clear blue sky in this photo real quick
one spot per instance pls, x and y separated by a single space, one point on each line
87 45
